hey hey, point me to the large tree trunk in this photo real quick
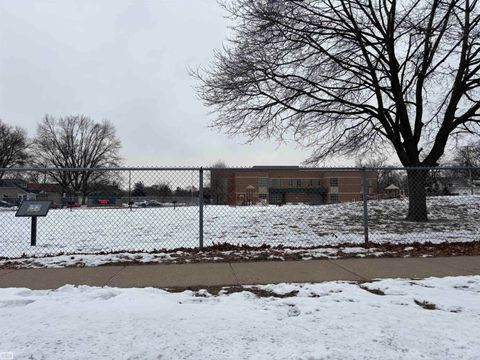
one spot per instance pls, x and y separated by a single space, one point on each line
84 198
417 196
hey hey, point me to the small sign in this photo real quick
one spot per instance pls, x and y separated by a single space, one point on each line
30 208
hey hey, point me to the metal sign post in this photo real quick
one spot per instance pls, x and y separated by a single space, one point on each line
33 209
33 235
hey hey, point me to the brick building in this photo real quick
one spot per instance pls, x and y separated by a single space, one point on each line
291 184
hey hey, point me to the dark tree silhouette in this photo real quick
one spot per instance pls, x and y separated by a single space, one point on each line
164 190
350 76
13 147
161 189
139 190
76 142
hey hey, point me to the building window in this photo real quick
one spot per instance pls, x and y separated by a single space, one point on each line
334 182
310 182
262 196
275 183
319 182
290 182
263 181
299 182
333 198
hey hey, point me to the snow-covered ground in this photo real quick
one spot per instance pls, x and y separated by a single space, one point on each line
106 230
388 319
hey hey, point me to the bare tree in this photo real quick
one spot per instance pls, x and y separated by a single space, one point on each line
468 155
373 162
387 174
344 76
76 142
13 147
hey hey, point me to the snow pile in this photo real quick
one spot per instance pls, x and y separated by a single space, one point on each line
388 319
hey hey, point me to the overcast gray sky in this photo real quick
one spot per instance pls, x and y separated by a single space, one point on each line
125 61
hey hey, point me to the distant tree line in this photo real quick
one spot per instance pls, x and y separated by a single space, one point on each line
162 189
74 141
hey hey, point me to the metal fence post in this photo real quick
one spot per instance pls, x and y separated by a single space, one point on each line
365 204
129 186
200 204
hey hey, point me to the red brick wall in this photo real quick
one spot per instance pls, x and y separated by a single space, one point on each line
349 184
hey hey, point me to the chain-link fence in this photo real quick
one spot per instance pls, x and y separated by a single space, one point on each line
147 209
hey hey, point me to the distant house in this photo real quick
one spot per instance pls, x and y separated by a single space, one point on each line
14 191
52 192
17 190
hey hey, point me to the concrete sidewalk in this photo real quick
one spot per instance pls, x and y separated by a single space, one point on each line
248 273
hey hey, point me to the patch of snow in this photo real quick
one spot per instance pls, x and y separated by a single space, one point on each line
354 250
334 320
87 230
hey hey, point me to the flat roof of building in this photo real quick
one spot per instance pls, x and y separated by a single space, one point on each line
275 167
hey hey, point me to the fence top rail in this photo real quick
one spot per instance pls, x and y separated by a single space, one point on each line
246 169
320 168
50 169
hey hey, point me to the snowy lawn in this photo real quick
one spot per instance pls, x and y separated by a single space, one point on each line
389 319
97 230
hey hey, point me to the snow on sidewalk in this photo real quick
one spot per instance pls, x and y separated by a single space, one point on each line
387 319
